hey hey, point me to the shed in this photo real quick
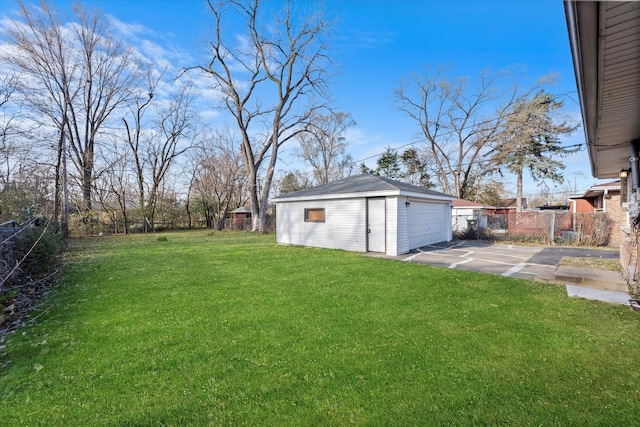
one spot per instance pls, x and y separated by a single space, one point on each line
240 216
364 213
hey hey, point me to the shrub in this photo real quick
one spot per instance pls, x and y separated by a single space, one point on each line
41 257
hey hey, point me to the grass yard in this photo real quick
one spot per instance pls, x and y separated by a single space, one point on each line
210 328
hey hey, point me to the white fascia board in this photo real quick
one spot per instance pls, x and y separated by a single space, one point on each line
334 196
422 196
605 188
385 193
474 207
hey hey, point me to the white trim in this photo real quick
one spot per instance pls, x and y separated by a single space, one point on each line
368 194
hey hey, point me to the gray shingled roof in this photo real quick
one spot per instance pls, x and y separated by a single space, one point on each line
364 183
241 209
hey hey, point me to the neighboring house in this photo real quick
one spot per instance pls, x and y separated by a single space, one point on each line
603 198
605 46
598 198
508 206
463 211
364 213
558 208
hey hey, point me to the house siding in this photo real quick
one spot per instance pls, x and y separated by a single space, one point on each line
583 206
460 218
344 226
346 203
392 230
397 230
403 225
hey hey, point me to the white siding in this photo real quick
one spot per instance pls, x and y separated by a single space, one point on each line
397 226
428 223
392 228
344 226
460 218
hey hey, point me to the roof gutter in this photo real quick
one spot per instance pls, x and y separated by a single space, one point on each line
583 26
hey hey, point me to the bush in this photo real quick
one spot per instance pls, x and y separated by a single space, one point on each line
42 259
473 234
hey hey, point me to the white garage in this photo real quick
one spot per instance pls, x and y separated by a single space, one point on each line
364 213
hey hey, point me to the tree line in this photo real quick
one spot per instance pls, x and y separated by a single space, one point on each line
90 124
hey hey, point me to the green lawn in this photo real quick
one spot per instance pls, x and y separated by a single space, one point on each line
211 328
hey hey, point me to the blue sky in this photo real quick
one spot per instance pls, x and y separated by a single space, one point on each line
376 43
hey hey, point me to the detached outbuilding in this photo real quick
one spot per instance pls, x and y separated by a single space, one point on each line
239 217
364 213
466 214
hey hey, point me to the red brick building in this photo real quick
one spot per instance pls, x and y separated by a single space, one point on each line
603 198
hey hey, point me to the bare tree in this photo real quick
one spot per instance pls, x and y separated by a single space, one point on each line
39 56
9 128
9 84
189 171
135 129
24 173
114 188
457 122
175 128
221 179
323 146
78 75
268 76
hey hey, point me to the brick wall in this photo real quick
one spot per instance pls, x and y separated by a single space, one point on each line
616 218
629 252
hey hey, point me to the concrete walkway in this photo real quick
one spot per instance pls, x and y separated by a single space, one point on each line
613 297
593 284
528 262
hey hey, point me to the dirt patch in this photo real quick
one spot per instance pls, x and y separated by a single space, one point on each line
596 263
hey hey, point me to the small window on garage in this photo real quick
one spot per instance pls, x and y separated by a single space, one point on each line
314 215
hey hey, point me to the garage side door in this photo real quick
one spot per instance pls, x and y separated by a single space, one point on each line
428 223
376 224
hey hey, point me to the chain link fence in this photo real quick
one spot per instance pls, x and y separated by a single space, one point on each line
590 229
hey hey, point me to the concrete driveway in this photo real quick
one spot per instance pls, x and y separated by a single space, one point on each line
525 262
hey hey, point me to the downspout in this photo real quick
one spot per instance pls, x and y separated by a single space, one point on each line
635 166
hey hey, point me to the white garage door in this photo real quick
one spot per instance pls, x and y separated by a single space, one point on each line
428 223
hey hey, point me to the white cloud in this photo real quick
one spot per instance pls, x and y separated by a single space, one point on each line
366 39
127 30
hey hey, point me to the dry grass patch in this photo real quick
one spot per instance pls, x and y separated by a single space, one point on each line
596 263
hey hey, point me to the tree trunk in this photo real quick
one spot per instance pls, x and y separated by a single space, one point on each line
87 177
519 191
124 219
256 226
58 183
